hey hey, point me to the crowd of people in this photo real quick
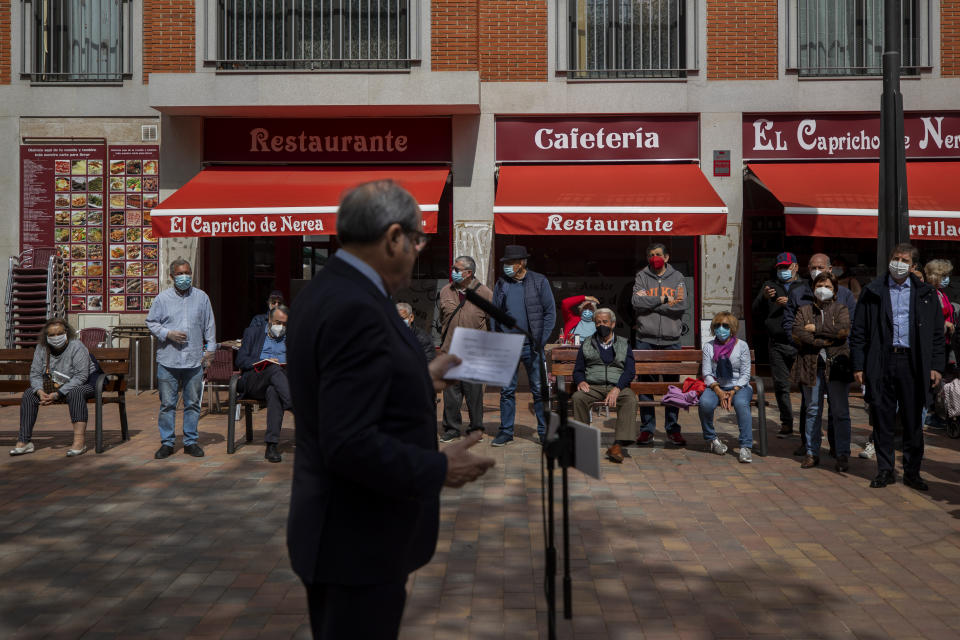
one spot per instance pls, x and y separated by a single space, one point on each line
824 332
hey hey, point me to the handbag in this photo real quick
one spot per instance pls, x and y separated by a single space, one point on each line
49 386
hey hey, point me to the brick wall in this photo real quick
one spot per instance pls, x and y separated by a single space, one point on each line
513 40
454 35
5 32
950 38
742 39
168 37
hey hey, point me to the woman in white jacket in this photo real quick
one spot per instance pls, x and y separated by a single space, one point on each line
726 372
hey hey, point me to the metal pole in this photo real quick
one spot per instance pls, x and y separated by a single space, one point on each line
893 225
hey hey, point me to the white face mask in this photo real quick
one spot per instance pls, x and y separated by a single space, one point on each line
823 293
57 342
278 330
898 270
814 273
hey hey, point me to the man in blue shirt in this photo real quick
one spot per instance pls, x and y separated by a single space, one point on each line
897 349
182 320
262 359
526 296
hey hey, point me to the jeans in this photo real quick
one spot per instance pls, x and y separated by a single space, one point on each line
648 416
782 357
836 393
169 382
508 401
741 406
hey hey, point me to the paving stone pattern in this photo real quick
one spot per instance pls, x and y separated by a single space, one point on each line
673 543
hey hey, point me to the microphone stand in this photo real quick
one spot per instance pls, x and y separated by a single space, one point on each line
559 450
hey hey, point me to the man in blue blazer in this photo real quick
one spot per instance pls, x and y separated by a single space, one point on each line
262 360
364 509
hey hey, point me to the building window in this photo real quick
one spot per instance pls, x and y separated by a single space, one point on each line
611 39
845 37
314 34
75 40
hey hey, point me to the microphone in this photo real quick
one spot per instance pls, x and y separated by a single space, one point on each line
487 307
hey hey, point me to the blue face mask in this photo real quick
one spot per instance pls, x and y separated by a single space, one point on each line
508 270
183 281
722 333
785 275
945 281
456 276
587 316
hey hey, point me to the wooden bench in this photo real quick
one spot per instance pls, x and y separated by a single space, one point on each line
248 404
15 367
678 362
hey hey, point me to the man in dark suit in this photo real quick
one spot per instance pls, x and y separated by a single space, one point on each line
262 360
897 349
364 509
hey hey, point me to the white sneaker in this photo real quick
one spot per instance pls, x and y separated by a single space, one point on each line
717 447
868 451
745 455
19 451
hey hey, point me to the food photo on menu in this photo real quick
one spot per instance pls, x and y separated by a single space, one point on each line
117 184
78 252
134 167
78 218
78 269
95 268
63 250
133 303
151 268
150 167
62 201
95 184
148 235
78 167
116 303
62 184
95 167
95 251
94 285
117 251
78 285
116 285
61 166
94 303
116 218
94 200
78 303
95 234
117 167
133 252
116 269
147 302
133 269
61 217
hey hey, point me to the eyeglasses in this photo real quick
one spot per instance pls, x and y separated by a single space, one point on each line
418 239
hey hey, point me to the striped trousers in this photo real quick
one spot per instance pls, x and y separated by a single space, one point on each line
30 405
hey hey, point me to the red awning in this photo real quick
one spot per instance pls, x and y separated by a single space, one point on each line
622 199
839 199
282 201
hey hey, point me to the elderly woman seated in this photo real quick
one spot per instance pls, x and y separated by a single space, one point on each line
62 371
578 312
726 372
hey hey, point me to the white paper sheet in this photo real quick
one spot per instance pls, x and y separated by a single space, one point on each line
488 357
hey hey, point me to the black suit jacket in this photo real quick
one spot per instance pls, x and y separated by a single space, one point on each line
871 335
250 347
367 476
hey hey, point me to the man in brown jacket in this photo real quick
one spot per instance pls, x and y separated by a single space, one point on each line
455 312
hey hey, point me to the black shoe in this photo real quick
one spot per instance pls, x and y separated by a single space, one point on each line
883 479
785 431
833 453
165 451
801 451
450 435
271 454
193 450
914 481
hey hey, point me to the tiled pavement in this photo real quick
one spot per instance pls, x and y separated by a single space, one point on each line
674 543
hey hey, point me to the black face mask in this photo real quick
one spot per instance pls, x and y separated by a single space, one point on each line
603 331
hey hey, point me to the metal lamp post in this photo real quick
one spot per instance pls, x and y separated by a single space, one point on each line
893 225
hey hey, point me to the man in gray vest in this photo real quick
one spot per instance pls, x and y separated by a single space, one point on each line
603 373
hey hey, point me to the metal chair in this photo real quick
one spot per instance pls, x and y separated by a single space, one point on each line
93 337
217 376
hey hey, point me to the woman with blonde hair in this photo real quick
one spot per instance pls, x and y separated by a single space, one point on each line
937 274
726 372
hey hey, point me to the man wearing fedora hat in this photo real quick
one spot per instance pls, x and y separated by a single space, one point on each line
526 296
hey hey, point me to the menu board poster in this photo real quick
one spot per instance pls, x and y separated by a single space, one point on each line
62 194
133 254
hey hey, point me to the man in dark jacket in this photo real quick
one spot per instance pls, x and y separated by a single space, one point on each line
526 296
426 342
897 349
768 308
365 504
262 360
274 300
800 295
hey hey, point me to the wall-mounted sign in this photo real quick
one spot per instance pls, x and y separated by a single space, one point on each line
348 140
598 139
721 164
62 191
793 136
